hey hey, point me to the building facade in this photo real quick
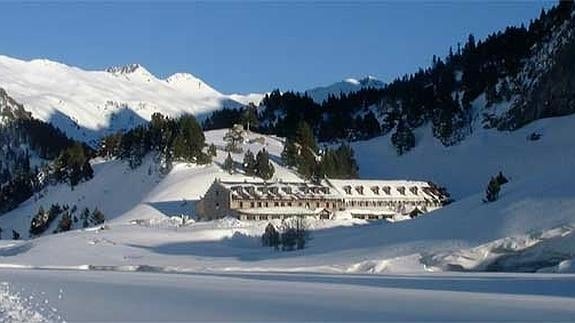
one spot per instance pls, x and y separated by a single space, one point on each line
364 199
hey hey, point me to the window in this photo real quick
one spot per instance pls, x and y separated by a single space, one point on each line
283 204
267 204
252 204
241 205
276 204
259 204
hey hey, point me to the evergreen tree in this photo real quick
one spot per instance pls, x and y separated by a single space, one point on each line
212 150
229 164
501 179
15 235
370 126
85 217
339 163
250 117
289 239
271 237
492 191
234 139
264 167
403 139
249 164
290 153
97 217
65 223
305 137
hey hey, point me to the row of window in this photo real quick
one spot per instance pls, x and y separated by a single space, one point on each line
384 204
275 217
308 205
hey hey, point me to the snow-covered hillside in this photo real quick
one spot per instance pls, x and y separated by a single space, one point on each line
146 249
89 104
535 207
321 93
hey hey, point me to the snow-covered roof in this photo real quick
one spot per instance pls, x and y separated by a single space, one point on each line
282 210
386 189
278 190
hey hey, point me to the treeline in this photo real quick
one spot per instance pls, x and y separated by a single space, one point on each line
302 152
180 139
69 218
441 94
28 147
259 165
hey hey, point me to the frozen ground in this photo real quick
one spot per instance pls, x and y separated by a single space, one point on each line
113 296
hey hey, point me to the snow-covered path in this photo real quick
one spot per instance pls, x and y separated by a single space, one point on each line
117 296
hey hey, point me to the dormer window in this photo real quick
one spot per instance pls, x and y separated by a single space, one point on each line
413 190
387 190
347 190
401 190
375 190
359 189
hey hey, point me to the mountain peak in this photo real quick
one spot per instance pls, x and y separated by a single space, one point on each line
129 69
319 94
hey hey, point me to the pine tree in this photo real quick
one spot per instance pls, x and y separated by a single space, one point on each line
370 126
305 137
271 237
85 217
229 164
212 150
249 164
234 138
492 191
97 217
501 179
290 153
264 167
403 139
65 223
249 117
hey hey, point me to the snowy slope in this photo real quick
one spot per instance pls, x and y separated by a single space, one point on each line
146 265
535 207
319 94
89 104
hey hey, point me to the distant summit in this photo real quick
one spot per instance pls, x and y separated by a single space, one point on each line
320 94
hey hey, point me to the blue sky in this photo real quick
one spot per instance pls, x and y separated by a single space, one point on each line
254 46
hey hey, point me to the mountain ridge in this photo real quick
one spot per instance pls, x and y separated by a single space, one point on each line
88 104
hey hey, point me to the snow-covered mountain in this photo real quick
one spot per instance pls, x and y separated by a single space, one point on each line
89 104
320 94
